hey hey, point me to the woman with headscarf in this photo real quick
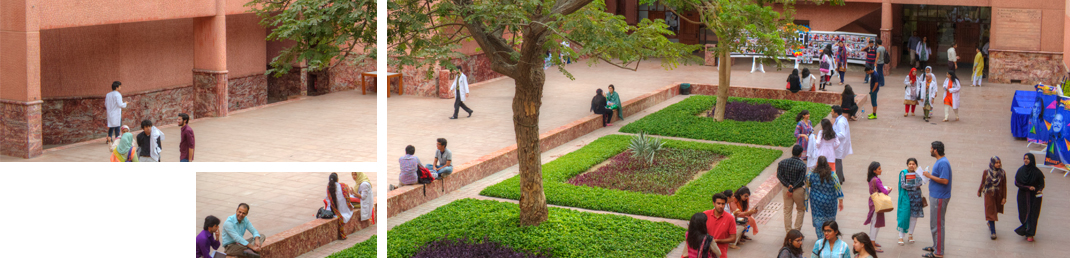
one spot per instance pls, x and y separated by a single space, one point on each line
613 101
364 194
910 98
994 189
951 95
911 203
124 149
598 106
794 82
1030 183
339 203
927 91
827 64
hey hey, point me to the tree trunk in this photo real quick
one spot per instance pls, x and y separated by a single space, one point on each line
526 103
724 70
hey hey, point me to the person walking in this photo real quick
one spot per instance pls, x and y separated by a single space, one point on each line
1030 183
827 142
875 219
827 64
598 106
613 100
911 203
187 140
939 195
912 44
830 245
923 52
952 58
994 189
791 172
978 68
114 105
843 134
826 198
841 59
952 87
461 93
911 94
792 245
927 91
874 87
803 130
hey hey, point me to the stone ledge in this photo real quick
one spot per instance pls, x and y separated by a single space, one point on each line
309 236
408 197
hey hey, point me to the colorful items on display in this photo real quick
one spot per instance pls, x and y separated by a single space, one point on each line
1058 149
1043 111
810 43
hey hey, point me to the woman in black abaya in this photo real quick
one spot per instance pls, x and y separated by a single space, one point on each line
1030 182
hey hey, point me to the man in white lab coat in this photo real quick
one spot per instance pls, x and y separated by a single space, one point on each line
461 93
843 134
113 102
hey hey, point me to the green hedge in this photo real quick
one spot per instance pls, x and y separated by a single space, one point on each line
740 166
567 233
368 248
680 120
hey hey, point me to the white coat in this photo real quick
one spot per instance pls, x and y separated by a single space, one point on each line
843 135
461 83
911 91
928 91
826 148
154 149
113 103
954 91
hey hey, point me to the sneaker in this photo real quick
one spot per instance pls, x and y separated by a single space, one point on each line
872 116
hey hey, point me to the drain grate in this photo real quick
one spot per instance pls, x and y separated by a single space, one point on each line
768 212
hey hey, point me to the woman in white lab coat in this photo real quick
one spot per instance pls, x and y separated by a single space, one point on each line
951 95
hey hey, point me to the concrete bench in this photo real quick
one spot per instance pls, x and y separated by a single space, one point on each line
309 236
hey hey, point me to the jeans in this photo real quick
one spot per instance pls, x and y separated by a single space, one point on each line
114 129
841 75
880 74
444 171
184 160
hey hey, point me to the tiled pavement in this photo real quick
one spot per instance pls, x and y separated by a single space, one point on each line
277 201
337 127
982 133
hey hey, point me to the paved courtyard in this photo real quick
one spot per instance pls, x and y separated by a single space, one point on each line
277 201
890 140
336 127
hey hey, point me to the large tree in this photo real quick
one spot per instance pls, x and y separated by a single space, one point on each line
325 33
516 36
734 21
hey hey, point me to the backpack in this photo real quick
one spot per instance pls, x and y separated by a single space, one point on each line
324 214
887 57
424 177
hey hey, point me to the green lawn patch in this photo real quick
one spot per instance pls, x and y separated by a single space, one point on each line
567 233
682 120
671 169
362 249
740 166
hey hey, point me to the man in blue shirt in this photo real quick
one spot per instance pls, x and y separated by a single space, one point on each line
234 231
939 195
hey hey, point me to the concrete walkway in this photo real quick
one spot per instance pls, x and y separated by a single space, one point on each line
891 139
337 127
277 201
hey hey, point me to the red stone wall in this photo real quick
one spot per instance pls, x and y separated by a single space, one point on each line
20 128
281 88
307 237
346 75
476 67
1029 67
247 92
210 93
71 120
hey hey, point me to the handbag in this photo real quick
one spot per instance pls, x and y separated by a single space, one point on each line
924 202
881 202
841 69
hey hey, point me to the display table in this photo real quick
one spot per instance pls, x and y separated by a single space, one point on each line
1021 108
389 75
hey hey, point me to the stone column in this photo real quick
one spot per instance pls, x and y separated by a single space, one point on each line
210 64
886 30
20 79
444 82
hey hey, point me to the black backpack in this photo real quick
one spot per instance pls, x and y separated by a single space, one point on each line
887 57
324 214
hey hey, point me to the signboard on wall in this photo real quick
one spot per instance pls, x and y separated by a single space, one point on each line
814 41
1016 29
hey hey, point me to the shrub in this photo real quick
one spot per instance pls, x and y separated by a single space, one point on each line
566 233
368 248
672 169
743 111
684 119
645 147
740 166
465 247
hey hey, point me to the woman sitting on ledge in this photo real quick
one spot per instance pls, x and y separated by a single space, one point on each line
338 203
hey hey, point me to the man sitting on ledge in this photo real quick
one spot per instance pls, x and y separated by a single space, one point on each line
233 232
443 164
408 164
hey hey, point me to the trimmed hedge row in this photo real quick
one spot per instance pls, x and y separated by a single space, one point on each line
567 233
740 166
680 120
368 248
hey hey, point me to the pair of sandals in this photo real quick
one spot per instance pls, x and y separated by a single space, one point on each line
743 239
910 239
930 254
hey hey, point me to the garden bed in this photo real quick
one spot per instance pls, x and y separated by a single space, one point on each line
685 119
567 233
743 111
368 248
740 165
671 169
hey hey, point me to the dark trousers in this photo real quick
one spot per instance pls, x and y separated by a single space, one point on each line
114 130
607 117
458 105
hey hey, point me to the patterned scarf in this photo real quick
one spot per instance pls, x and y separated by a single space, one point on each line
994 176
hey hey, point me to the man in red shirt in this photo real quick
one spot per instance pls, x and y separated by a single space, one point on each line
720 224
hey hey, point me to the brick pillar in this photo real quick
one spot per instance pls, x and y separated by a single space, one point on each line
210 64
444 82
886 30
20 79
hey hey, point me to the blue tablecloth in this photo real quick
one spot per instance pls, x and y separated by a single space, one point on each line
1021 108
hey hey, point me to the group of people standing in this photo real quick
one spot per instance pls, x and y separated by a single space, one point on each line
921 89
148 142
